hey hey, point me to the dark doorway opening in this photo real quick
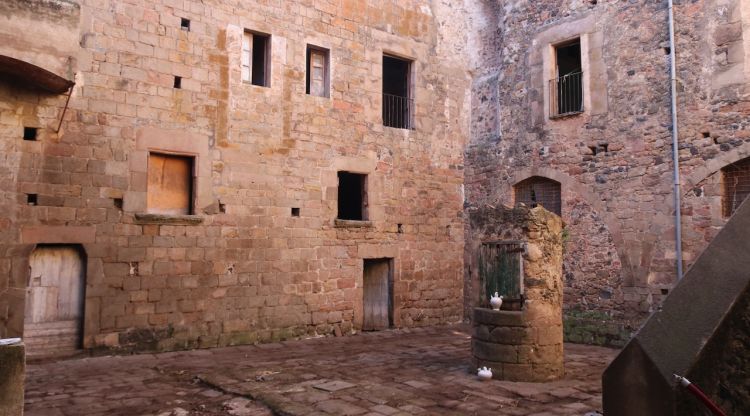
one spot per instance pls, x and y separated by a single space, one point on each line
352 196
568 86
397 100
378 294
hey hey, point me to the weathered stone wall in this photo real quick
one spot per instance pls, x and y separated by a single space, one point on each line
525 345
249 270
618 203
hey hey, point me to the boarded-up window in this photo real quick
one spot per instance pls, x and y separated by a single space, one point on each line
170 184
537 191
317 71
736 185
256 54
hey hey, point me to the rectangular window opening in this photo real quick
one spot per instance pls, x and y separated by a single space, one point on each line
170 184
31 199
317 79
256 57
352 196
295 212
177 82
398 102
566 89
185 24
29 133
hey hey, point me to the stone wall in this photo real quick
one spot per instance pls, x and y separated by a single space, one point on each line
613 160
13 363
524 345
243 268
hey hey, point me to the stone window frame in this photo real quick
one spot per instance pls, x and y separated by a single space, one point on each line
176 142
542 68
362 166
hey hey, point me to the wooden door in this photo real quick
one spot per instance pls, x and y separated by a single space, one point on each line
378 295
54 301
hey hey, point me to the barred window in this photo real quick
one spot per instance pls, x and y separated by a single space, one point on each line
735 185
537 190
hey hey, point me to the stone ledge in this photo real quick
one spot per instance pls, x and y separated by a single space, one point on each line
352 224
148 218
498 318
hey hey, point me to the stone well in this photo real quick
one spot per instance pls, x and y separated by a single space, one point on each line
525 344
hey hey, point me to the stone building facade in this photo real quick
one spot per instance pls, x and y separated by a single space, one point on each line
195 186
610 153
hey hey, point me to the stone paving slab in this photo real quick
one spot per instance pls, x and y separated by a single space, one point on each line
422 371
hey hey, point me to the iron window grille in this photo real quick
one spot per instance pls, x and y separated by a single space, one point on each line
566 95
736 186
397 111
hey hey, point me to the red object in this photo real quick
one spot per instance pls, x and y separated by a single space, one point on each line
692 388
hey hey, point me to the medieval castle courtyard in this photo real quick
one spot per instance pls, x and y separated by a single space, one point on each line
374 207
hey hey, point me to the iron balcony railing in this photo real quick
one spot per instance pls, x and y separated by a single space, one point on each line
397 111
566 95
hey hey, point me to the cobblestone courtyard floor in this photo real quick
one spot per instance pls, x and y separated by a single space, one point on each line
420 371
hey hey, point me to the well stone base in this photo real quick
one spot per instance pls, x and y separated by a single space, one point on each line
518 345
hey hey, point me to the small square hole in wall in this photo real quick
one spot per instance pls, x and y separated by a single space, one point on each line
31 199
665 291
185 24
667 50
117 202
29 133
706 134
400 228
295 212
178 82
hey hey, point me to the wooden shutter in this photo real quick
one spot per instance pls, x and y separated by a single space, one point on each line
247 56
169 184
318 73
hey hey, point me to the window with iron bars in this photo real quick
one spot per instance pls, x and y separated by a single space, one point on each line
398 105
735 186
566 90
537 191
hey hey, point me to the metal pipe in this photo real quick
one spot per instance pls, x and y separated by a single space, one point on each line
697 392
675 144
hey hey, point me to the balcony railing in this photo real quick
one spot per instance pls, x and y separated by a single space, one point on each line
566 95
397 111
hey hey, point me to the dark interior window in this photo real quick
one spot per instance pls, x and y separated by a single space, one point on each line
352 196
260 59
397 106
568 86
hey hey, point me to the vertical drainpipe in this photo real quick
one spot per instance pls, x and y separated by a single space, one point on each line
675 144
